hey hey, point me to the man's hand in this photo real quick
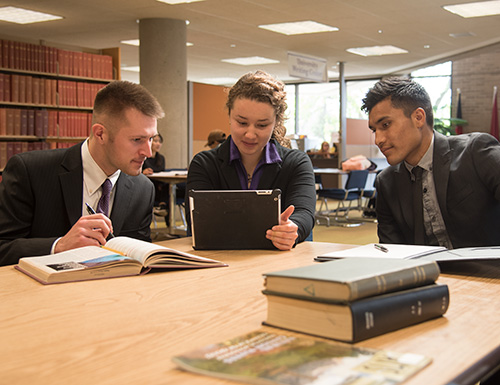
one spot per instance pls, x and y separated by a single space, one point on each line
90 230
284 235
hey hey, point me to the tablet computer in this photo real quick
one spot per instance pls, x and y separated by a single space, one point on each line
233 219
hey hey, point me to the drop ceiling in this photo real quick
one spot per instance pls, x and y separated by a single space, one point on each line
224 29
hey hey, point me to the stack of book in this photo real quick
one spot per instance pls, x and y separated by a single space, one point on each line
354 299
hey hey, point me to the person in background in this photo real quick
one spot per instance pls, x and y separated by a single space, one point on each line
257 156
156 162
43 193
215 138
324 152
439 190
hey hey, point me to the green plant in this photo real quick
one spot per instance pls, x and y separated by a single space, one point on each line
447 126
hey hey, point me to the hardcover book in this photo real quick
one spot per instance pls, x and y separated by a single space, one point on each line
121 256
352 279
358 320
268 358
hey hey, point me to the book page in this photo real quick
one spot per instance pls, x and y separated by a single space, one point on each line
142 251
375 250
76 259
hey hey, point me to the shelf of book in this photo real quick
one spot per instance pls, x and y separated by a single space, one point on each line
47 94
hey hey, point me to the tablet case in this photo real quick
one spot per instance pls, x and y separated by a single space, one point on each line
233 219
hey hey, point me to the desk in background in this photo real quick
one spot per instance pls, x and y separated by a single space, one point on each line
172 178
125 330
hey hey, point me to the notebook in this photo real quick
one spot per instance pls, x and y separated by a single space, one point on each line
233 219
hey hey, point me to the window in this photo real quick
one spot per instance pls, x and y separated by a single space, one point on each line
437 82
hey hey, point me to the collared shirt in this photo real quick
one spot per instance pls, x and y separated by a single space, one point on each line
270 156
435 228
93 178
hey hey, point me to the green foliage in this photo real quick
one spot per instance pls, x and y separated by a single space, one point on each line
447 126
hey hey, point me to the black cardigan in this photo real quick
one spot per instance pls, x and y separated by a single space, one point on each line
294 176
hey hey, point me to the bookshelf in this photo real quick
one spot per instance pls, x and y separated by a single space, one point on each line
47 94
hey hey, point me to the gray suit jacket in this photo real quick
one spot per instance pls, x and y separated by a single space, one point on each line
466 171
41 199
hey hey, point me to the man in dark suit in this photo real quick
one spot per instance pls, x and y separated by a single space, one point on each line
43 193
439 190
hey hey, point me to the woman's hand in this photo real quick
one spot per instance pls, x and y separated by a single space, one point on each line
284 235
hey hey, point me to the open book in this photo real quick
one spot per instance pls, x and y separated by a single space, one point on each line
120 256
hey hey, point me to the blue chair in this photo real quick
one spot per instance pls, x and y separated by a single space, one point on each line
353 192
369 205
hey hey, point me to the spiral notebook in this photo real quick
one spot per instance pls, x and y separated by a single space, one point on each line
233 219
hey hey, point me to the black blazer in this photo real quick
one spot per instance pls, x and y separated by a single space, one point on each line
41 199
466 171
211 170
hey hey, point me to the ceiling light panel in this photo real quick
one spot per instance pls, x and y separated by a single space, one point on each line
252 60
298 28
481 8
377 50
25 16
174 2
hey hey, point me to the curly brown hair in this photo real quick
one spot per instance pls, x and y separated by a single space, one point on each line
262 87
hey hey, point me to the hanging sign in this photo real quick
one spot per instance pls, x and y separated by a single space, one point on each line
307 67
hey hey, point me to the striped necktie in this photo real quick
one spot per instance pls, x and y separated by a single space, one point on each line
103 205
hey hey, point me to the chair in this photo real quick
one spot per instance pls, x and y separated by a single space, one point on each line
179 190
352 192
369 196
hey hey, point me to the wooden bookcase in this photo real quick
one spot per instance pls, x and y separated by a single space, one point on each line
47 95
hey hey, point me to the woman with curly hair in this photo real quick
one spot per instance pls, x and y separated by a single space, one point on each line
257 156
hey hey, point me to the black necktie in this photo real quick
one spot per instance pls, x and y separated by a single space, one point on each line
103 204
418 206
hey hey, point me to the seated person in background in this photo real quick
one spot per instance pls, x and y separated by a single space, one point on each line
324 152
43 193
255 156
156 163
215 138
460 181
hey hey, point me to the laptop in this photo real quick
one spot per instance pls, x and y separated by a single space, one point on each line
233 219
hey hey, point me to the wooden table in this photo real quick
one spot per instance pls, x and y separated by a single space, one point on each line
125 330
172 178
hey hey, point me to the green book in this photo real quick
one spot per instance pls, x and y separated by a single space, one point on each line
350 279
268 358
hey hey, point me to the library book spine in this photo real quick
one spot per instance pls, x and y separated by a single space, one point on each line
382 314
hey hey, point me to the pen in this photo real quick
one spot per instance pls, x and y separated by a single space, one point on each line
381 248
91 211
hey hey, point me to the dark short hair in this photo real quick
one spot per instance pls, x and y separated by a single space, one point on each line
120 95
404 93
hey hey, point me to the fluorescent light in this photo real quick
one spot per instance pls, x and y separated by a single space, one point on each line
25 16
174 2
377 50
481 8
298 27
131 68
136 42
218 81
252 60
